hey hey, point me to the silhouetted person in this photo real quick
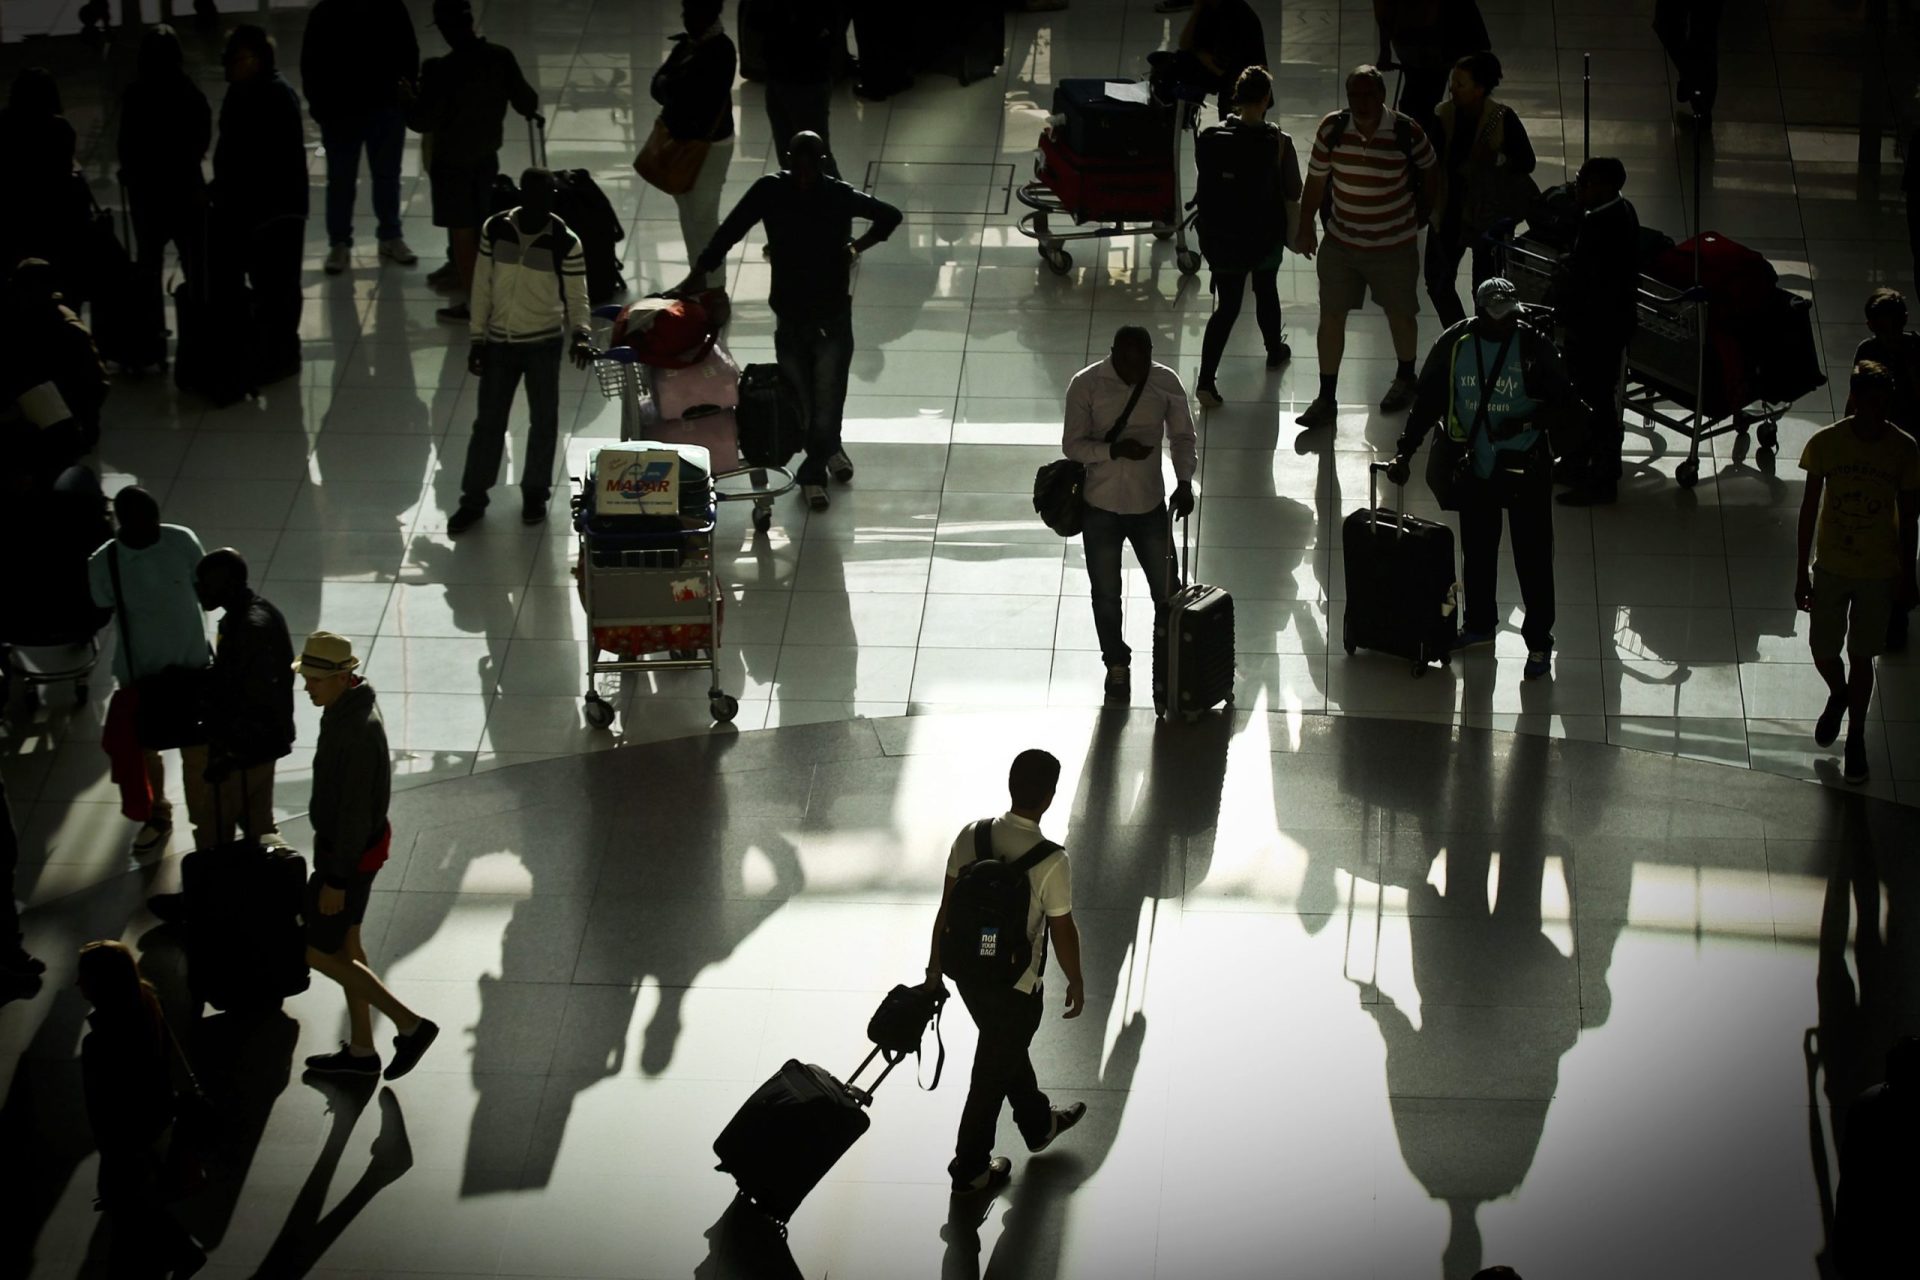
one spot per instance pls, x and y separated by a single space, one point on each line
166 129
1424 39
1224 38
355 61
19 971
802 38
1481 143
694 88
49 364
1596 297
1689 31
36 154
260 205
307 1234
1879 1177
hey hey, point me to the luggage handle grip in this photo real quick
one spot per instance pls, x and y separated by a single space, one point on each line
1374 470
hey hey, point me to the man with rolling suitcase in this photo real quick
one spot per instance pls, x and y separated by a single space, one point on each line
1009 892
1118 412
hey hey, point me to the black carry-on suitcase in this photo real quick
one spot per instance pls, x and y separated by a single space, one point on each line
127 312
1097 127
1400 583
771 419
793 1130
246 949
1192 645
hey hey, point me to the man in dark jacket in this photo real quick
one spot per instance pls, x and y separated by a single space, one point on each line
801 38
809 219
352 781
260 203
355 60
462 100
1596 299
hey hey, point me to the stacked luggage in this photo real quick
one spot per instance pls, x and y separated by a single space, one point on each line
1109 159
645 515
1760 339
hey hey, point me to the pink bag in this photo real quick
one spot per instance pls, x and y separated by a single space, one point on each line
710 385
715 432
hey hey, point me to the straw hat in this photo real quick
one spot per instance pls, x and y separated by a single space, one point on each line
326 654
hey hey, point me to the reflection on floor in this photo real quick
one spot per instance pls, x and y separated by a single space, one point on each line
1365 999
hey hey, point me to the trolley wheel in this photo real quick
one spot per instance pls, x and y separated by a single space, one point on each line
1163 235
762 518
599 711
1188 261
1769 434
1419 670
1688 473
1350 648
1058 261
724 707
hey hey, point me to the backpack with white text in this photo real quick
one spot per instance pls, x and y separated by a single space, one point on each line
984 940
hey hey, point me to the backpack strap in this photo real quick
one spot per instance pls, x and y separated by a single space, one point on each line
983 840
1025 863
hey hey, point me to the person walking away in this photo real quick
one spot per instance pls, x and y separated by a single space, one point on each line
1873 1202
801 37
352 781
134 1079
160 616
259 199
811 247
36 153
1425 40
1856 552
1008 1016
694 88
166 130
462 100
1689 31
1243 222
529 298
1596 297
1483 149
1372 176
1485 384
355 60
1897 347
1225 38
1118 411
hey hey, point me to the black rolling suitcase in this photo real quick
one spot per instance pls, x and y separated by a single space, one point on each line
126 312
245 946
204 364
770 418
1400 583
1192 646
1097 127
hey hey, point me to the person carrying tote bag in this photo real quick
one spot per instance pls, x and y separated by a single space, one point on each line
687 152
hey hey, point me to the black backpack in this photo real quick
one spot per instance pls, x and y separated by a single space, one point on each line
984 940
1238 194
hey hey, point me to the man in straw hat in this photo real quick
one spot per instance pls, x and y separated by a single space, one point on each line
352 775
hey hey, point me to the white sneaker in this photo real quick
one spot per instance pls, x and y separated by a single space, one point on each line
395 250
339 258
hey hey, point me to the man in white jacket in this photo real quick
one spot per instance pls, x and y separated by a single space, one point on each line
529 294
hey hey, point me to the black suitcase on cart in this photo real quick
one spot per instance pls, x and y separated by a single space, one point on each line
1400 583
770 417
1192 647
246 949
1101 128
792 1131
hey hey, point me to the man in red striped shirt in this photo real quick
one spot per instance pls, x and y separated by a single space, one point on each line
1374 172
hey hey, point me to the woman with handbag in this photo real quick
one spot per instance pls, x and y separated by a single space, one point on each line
686 155
137 1085
1493 393
1485 159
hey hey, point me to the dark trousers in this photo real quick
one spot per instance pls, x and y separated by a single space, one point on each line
266 260
1421 89
1229 289
793 106
507 364
1531 521
1002 1072
1102 534
384 136
1593 362
163 216
817 354
1690 32
1446 245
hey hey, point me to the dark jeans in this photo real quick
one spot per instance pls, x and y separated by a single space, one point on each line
1445 247
1531 522
163 216
507 363
1229 289
817 354
1594 365
1002 1072
1101 535
267 260
384 135
1690 31
793 106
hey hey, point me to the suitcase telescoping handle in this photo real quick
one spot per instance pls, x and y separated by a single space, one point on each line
1374 471
866 1095
1177 583
537 139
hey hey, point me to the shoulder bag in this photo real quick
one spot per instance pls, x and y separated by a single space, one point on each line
1058 487
167 702
1450 464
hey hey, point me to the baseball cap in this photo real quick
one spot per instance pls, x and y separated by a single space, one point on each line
1497 298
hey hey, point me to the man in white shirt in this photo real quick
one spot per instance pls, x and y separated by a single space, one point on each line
1126 500
1009 1015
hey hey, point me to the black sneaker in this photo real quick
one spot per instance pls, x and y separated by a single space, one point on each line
531 512
1400 393
1827 727
1064 1118
998 1174
840 466
1855 769
1208 395
1119 684
1321 413
1278 354
345 1062
464 519
408 1048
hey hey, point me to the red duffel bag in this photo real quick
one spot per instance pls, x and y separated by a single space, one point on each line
667 333
1734 275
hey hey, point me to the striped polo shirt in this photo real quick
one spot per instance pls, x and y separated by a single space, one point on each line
1372 193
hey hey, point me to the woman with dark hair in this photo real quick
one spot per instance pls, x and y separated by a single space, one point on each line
1248 174
166 127
1485 157
36 160
133 1073
1423 39
694 88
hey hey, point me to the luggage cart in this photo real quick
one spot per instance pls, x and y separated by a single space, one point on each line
1171 222
36 665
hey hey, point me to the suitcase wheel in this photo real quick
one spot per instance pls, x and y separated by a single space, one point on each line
1419 670
1058 261
724 707
1188 261
599 711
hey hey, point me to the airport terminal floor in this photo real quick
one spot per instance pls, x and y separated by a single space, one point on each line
1386 977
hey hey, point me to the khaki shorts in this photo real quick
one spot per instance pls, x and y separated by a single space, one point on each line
1850 611
1348 275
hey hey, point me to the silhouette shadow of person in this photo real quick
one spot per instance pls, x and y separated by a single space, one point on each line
307 1234
745 1244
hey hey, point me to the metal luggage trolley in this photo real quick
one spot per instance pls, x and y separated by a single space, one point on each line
38 665
1161 224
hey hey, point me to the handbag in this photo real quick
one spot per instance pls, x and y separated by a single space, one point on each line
901 1020
1450 465
669 163
167 702
1058 486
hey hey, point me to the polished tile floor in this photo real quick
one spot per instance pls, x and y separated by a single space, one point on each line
930 589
